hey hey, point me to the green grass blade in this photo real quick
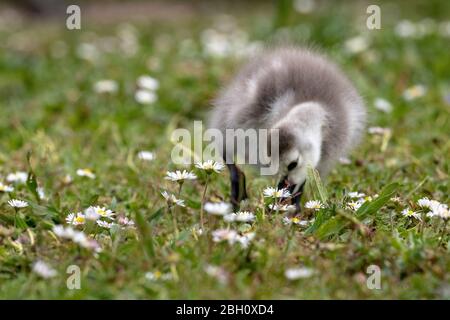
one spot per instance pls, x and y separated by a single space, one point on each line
145 234
373 206
315 186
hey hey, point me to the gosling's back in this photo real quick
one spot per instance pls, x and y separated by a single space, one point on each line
276 80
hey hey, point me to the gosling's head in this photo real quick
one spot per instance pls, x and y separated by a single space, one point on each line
297 149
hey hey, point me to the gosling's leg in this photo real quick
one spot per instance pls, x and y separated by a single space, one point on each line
238 188
297 196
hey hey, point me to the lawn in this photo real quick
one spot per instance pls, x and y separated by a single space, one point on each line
86 122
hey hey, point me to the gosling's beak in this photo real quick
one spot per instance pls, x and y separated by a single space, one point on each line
284 183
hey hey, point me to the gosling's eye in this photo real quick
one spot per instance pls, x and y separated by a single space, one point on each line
292 165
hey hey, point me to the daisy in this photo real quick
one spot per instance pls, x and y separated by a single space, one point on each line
76 236
215 44
354 205
245 239
153 275
409 213
197 231
314 204
217 272
356 44
439 210
86 173
282 207
64 232
148 83
106 86
304 6
145 97
67 179
355 195
220 235
294 220
434 204
382 105
146 155
89 244
414 92
444 213
241 216
345 161
88 51
379 130
424 203
298 273
82 240
218 208
41 193
5 188
44 270
180 176
210 166
405 29
435 207
18 176
125 222
104 224
171 199
103 212
270 192
76 219
91 214
15 203
157 275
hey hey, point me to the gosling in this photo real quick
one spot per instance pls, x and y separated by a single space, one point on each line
319 114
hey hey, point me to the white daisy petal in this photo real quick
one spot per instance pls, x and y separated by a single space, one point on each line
18 177
171 199
314 204
241 216
5 188
146 155
298 273
44 270
217 208
148 83
275 193
180 176
15 203
106 86
86 173
210 166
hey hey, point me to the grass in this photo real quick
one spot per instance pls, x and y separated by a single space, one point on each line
52 116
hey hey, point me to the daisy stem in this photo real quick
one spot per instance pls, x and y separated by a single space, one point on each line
15 217
290 233
278 206
422 225
203 201
391 216
180 184
443 232
174 220
173 270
